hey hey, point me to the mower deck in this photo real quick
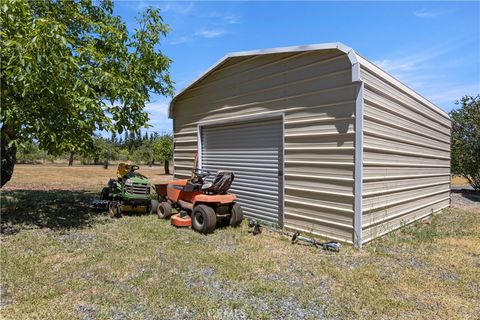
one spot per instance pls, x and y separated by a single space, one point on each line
178 221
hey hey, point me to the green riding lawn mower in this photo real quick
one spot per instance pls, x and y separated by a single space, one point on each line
131 191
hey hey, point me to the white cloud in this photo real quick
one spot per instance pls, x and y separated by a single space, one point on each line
425 14
145 4
210 33
180 40
157 107
445 95
158 112
179 7
436 78
231 19
409 62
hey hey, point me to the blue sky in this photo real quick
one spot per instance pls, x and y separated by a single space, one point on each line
433 47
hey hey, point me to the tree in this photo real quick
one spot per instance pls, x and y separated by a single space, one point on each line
71 68
105 150
142 153
29 152
71 158
163 150
466 139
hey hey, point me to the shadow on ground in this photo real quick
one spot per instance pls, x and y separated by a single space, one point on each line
471 195
53 209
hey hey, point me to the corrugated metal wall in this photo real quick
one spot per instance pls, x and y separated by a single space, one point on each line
314 90
406 154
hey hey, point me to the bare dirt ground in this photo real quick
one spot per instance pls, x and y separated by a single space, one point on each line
62 260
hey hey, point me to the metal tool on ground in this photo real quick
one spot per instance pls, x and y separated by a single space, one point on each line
199 204
256 227
99 205
329 246
295 237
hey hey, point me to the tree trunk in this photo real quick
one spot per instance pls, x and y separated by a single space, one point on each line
70 160
9 154
105 164
166 166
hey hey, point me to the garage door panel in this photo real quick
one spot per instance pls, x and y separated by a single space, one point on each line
254 152
240 171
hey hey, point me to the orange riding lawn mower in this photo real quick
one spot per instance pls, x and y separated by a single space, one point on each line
199 204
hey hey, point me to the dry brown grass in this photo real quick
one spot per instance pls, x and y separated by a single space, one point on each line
92 178
459 181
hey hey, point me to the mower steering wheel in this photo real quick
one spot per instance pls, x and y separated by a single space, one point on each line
133 167
201 173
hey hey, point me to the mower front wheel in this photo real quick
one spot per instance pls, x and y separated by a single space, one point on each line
204 219
164 210
114 209
236 215
153 206
105 193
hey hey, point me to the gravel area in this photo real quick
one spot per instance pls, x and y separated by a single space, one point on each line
466 200
85 311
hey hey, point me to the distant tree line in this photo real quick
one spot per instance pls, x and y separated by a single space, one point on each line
140 148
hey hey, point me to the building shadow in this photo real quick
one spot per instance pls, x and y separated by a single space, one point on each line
471 195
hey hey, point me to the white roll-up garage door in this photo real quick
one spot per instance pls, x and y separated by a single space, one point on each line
254 152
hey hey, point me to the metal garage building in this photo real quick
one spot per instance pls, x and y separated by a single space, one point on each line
319 138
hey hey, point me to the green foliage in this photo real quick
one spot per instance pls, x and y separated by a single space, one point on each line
466 139
70 68
123 154
143 153
29 152
106 149
139 148
163 148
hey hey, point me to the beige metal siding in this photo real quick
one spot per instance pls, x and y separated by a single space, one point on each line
315 92
406 154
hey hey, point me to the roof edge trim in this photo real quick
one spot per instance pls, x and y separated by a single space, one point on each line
322 46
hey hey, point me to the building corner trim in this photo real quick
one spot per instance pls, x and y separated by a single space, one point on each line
358 211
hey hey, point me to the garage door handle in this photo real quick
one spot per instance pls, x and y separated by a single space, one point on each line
280 173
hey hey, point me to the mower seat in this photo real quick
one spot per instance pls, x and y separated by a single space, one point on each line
122 170
221 183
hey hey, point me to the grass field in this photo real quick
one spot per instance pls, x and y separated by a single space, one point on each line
459 181
61 260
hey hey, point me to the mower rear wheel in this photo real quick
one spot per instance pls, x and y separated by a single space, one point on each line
164 210
204 219
236 215
114 209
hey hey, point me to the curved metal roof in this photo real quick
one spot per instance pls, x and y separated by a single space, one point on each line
355 59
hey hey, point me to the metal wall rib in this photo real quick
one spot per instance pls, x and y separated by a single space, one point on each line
316 95
406 172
